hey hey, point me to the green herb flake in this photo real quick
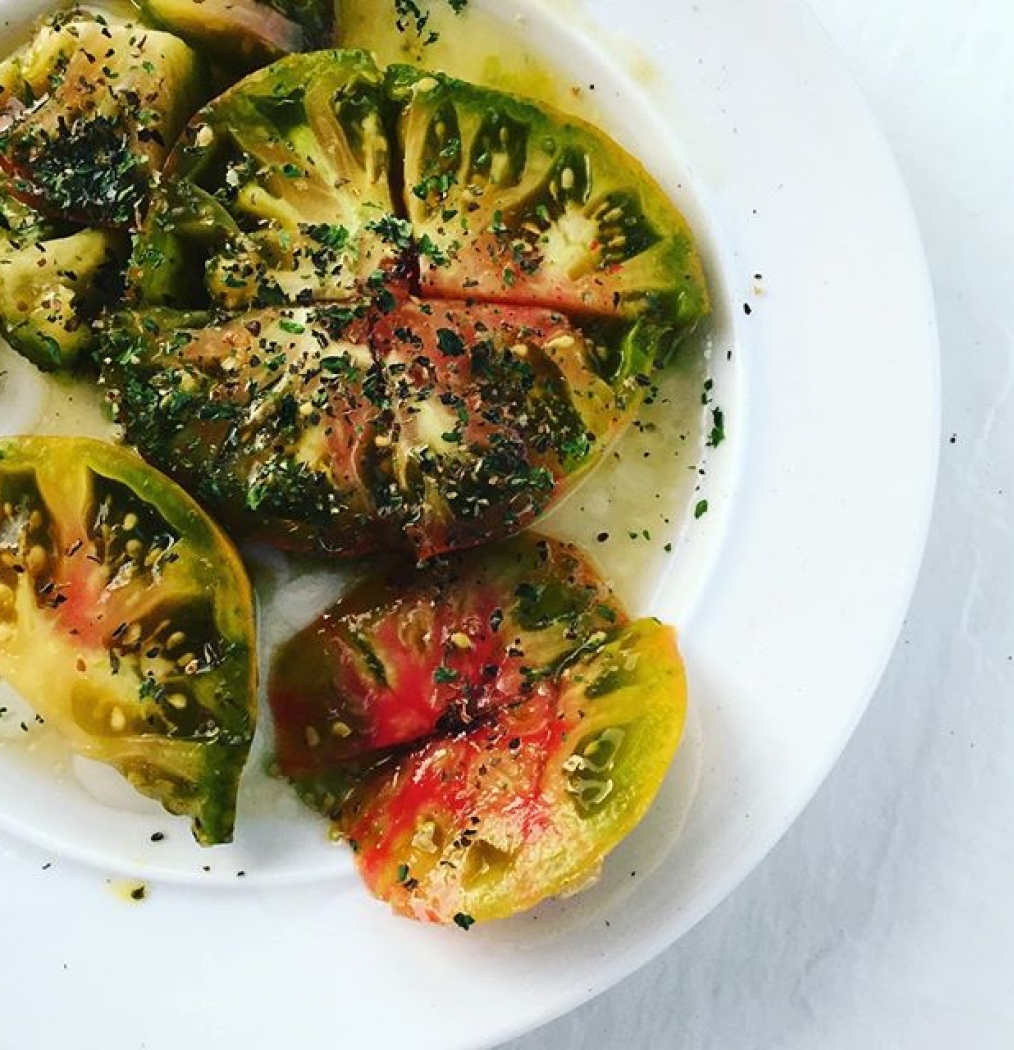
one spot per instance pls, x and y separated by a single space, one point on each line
451 344
330 235
717 435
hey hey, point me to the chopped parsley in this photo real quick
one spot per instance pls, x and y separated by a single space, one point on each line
416 14
451 344
330 235
717 435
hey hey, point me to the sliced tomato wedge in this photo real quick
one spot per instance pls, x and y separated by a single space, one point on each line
493 410
483 731
126 621
407 654
524 806
295 161
89 109
343 429
517 203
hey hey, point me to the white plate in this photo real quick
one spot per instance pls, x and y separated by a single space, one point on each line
789 601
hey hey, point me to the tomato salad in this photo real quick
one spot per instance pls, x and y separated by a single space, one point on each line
346 311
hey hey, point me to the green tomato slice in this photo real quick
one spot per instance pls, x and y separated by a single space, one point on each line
520 204
296 160
342 429
489 822
126 621
92 104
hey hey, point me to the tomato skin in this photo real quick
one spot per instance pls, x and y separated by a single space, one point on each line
408 653
111 629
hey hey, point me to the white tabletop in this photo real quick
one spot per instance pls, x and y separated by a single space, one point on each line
885 919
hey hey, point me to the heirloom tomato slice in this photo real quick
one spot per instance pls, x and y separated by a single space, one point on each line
89 108
484 730
408 653
296 158
126 622
493 410
269 417
342 429
514 202
488 821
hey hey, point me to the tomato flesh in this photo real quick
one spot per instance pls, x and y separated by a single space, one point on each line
407 653
110 629
525 805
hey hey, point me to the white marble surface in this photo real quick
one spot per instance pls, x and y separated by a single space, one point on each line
885 919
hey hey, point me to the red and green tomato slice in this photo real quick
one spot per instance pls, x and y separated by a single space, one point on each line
344 430
527 805
483 732
126 622
517 203
408 652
